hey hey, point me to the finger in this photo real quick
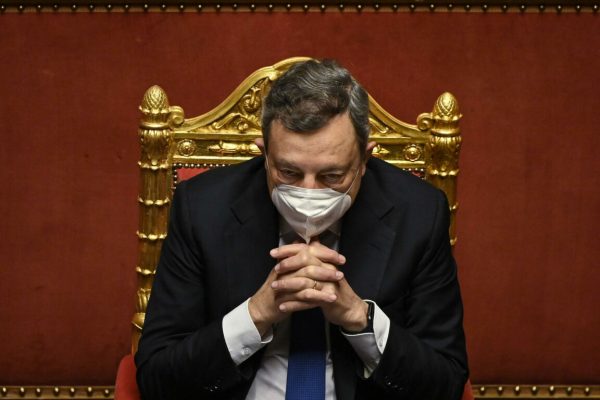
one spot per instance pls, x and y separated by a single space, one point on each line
326 254
326 273
328 287
295 284
306 296
293 306
301 260
323 253
294 263
287 250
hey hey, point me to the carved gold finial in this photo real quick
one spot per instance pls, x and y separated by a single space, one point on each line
446 107
443 149
155 100
156 110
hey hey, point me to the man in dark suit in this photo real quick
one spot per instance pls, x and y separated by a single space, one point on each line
313 272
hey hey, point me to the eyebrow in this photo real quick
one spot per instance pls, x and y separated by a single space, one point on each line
327 169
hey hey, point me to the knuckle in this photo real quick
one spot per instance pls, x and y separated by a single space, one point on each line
304 258
329 288
283 263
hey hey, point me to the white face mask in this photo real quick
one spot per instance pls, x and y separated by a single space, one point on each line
310 211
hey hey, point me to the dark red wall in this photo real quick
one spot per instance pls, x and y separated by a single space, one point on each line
529 190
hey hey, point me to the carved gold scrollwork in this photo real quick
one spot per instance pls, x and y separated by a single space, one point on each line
186 148
155 144
424 121
176 116
227 148
238 121
251 101
244 116
412 152
444 153
377 128
380 152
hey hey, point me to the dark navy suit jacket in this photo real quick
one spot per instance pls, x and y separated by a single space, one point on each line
216 255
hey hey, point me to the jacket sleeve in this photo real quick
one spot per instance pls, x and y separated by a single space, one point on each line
425 356
182 351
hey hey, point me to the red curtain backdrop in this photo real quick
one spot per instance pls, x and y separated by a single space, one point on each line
70 84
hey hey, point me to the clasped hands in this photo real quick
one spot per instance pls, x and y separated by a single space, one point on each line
307 276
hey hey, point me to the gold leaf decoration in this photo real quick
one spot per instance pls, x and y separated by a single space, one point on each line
446 107
155 99
228 148
186 147
380 152
412 152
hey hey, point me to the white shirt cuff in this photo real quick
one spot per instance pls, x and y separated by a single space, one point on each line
369 346
241 336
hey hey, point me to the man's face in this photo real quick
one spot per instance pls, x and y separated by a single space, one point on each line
326 158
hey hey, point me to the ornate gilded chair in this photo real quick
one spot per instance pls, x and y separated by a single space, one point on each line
174 148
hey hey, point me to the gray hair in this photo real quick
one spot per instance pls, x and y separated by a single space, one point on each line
310 94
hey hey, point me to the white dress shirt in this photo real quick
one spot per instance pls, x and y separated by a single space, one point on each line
243 340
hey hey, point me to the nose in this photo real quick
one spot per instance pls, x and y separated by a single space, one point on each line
309 182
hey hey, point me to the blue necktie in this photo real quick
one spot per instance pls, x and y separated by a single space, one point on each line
306 360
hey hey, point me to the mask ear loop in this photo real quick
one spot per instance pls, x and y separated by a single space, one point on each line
353 180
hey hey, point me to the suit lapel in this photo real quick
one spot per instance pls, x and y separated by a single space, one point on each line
366 240
252 232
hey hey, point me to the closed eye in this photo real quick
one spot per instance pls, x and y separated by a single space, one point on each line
289 174
332 178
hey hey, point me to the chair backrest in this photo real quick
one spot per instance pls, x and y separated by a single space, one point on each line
174 147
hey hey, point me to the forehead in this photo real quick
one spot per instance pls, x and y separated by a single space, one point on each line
334 145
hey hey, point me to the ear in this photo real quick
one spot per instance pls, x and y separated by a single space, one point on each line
368 153
369 149
260 143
